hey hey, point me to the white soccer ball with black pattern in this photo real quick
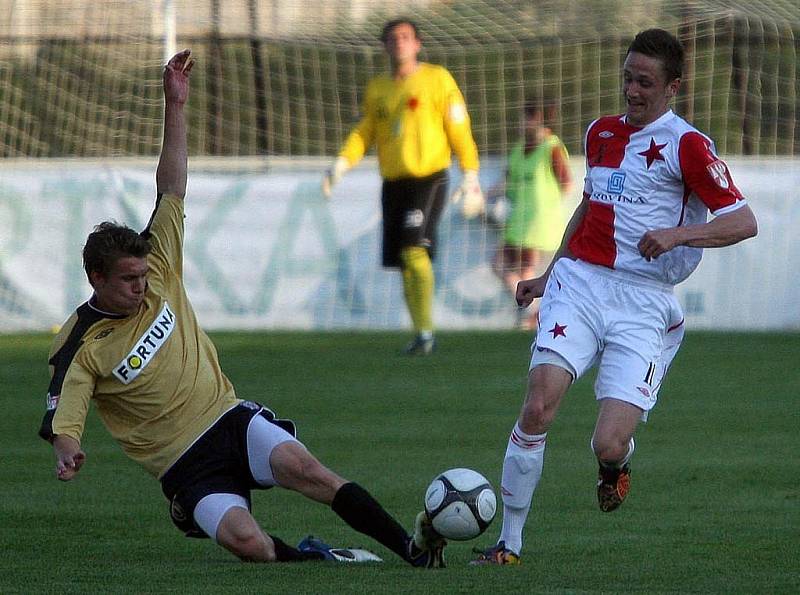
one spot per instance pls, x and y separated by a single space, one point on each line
460 504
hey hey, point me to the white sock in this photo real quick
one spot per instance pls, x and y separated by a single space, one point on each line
522 468
628 455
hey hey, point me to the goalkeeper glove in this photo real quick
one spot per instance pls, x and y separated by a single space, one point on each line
470 195
333 175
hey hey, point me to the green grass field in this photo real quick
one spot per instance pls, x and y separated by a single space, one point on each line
714 506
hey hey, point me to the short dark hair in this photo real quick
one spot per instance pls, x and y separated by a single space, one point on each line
657 43
109 242
541 104
387 28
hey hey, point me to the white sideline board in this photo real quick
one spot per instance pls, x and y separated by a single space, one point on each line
264 250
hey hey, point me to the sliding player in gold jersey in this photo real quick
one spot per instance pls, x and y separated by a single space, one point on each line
135 350
415 116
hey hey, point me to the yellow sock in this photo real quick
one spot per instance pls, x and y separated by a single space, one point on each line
418 284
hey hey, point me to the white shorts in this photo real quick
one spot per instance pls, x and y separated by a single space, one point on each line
631 327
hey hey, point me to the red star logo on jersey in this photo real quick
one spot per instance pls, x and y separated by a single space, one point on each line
653 153
558 330
413 102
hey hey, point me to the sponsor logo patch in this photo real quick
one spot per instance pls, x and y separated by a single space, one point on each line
52 401
718 171
146 347
616 182
606 134
414 218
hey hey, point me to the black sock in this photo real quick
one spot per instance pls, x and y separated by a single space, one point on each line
286 553
364 514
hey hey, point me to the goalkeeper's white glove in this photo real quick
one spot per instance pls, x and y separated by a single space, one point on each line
333 175
469 195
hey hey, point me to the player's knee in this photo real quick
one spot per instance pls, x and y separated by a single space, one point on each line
535 419
415 258
537 414
252 549
610 449
547 385
246 541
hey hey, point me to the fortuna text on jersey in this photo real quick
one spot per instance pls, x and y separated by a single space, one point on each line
146 347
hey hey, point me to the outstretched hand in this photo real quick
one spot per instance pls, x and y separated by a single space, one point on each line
176 77
69 457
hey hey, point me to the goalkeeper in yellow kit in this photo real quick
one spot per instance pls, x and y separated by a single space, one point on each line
416 117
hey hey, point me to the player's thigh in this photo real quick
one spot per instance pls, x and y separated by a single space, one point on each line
548 381
295 468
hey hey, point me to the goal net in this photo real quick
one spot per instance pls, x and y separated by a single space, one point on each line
278 85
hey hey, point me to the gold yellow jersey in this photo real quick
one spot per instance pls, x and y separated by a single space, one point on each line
154 377
415 123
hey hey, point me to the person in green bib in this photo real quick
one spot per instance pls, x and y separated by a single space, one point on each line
537 177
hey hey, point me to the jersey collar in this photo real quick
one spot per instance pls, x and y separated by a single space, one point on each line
91 303
657 122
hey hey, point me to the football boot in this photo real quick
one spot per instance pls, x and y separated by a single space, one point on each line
498 555
613 485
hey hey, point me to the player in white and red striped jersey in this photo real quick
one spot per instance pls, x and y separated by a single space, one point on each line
665 175
640 229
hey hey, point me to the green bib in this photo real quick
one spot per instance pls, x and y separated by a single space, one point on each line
536 219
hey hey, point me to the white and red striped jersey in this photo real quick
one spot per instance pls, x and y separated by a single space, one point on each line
640 179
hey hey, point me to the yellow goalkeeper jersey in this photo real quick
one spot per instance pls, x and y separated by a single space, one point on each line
154 377
415 123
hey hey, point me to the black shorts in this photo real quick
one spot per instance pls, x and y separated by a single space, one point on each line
411 211
216 463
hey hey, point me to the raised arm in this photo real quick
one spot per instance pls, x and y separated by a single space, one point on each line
171 171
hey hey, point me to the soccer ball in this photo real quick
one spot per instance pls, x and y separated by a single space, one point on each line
460 504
